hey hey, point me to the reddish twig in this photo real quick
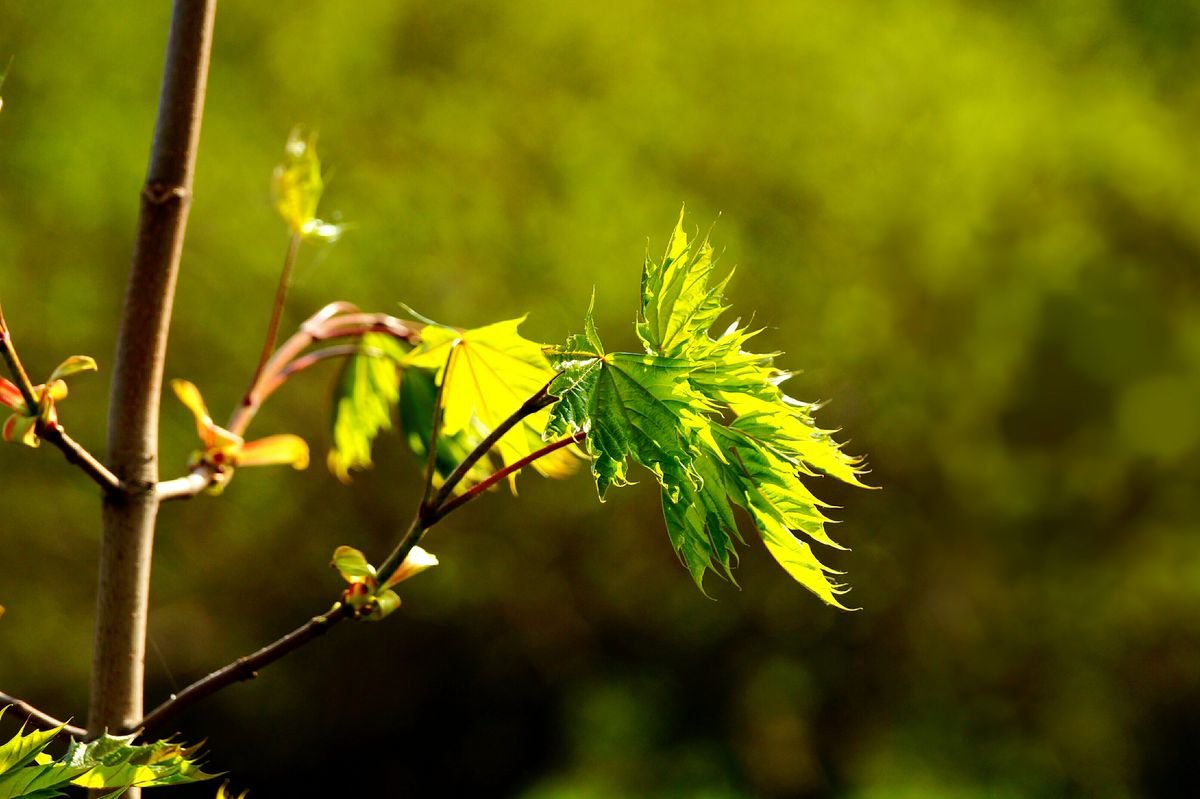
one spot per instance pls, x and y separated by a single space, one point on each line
483 485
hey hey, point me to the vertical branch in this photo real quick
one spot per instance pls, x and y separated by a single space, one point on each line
123 591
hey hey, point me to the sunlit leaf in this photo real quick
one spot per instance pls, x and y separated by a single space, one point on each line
22 426
107 763
283 449
296 187
365 394
489 372
73 365
708 419
23 747
352 564
224 450
224 793
417 561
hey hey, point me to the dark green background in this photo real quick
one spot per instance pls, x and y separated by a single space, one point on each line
975 228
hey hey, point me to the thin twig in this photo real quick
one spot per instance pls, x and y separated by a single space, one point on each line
43 720
542 399
244 668
285 279
328 323
313 358
426 511
16 367
483 485
77 455
53 432
199 478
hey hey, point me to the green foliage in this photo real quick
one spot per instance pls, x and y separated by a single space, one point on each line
366 392
366 595
483 376
707 418
296 188
109 762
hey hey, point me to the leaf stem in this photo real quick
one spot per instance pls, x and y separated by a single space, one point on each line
483 485
336 320
43 720
244 668
313 358
439 411
285 279
15 366
77 455
427 512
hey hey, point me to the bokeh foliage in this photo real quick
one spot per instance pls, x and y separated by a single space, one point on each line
975 227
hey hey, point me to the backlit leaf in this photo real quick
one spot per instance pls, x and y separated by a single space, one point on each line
108 763
489 372
365 393
708 419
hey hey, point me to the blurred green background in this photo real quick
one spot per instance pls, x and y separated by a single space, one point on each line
974 227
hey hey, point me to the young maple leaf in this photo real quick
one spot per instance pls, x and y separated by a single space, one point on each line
667 410
485 375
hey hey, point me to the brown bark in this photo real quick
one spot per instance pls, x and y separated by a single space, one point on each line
129 516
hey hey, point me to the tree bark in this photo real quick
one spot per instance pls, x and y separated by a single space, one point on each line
129 516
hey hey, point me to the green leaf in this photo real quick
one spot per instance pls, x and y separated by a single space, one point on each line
367 390
386 602
708 419
107 762
71 366
630 406
677 300
352 565
115 762
296 188
23 747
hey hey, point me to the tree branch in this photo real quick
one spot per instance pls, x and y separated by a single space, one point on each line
53 432
188 486
43 720
118 661
77 455
244 668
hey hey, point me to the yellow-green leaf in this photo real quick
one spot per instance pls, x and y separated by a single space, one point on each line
488 373
352 565
296 187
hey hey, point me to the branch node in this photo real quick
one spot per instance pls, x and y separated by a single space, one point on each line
158 193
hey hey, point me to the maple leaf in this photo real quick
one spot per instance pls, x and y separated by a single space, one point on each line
485 375
708 419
